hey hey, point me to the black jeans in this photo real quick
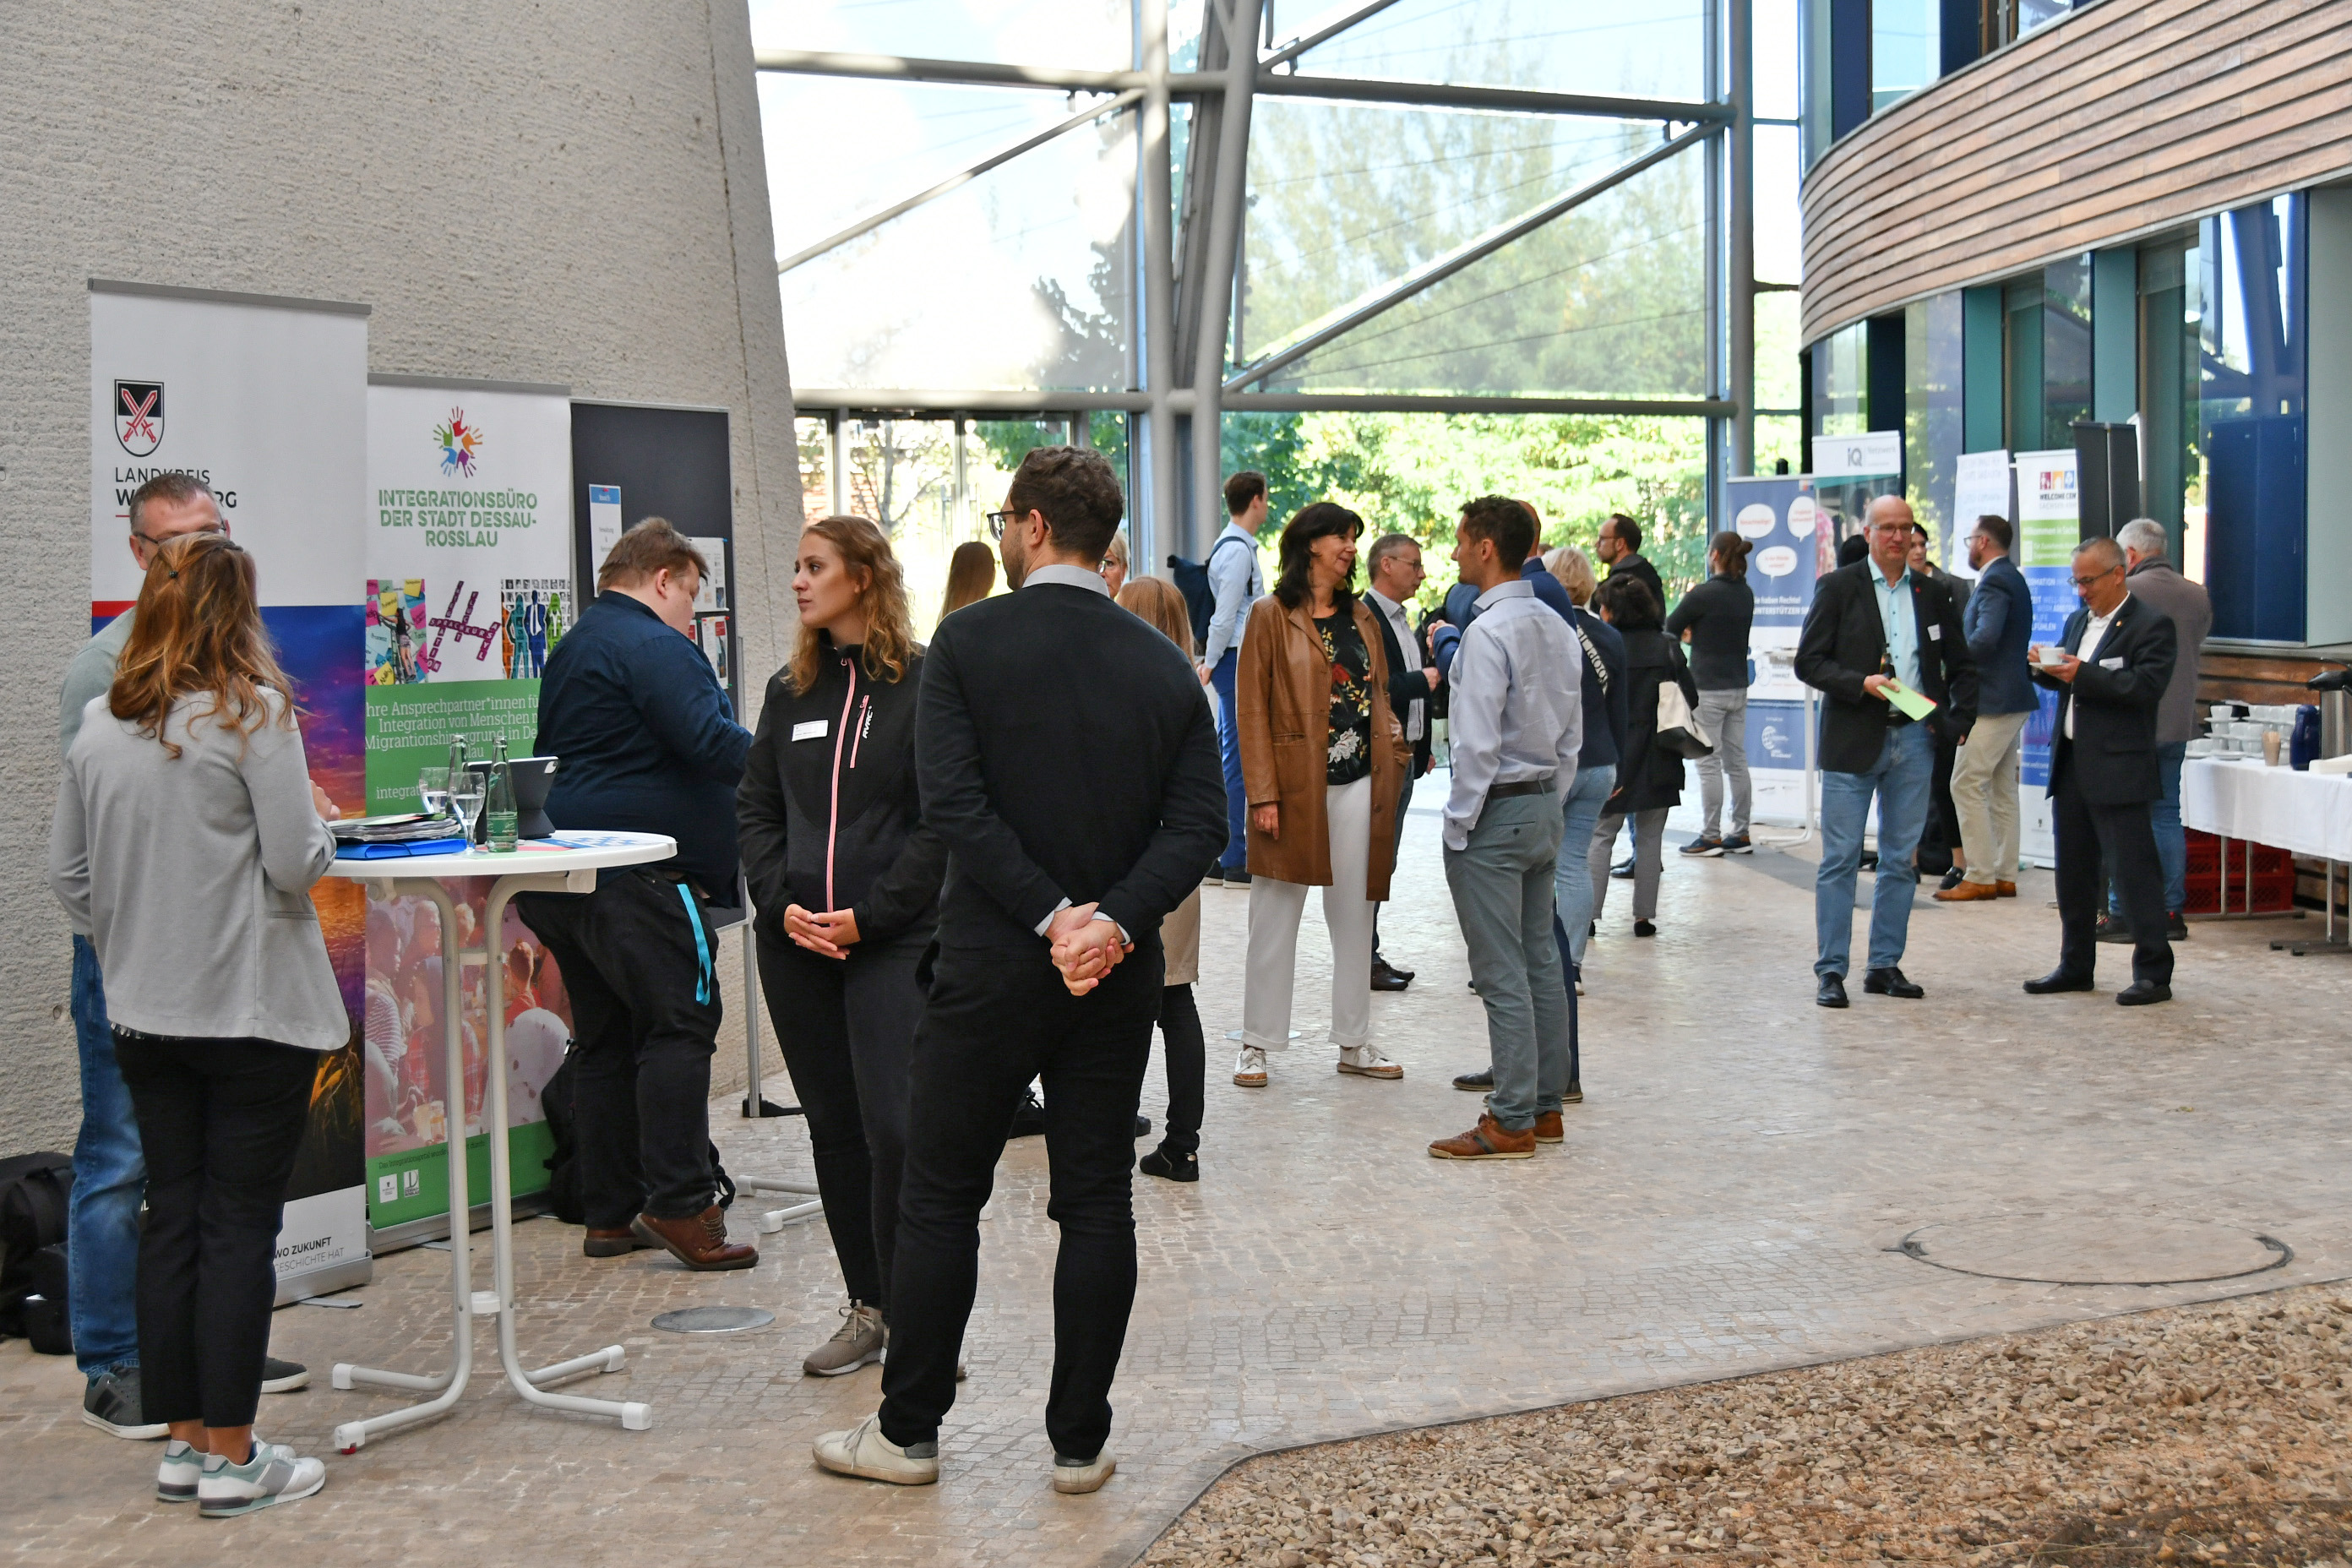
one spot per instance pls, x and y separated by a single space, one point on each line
994 1021
2122 832
220 1122
1187 1051
847 1027
639 959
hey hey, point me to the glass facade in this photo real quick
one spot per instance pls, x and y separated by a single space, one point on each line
2251 335
2046 355
1842 382
1932 418
2171 451
1905 44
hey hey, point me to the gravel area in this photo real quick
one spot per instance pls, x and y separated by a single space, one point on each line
2210 1434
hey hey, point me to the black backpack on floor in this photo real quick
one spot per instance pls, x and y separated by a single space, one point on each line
33 1192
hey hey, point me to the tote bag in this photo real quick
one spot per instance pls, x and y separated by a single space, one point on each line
1679 734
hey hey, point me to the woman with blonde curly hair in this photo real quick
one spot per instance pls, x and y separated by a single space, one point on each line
845 880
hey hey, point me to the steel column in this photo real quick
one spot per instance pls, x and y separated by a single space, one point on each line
1156 527
1214 299
1742 234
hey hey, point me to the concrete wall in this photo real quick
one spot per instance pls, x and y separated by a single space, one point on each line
571 193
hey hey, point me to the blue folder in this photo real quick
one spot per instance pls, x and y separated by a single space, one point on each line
400 851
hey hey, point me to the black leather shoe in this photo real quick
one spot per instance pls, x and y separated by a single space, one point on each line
1869 861
1387 978
1028 1117
1479 1082
1952 879
1623 871
2057 979
2140 993
1889 981
2176 928
1832 993
1142 1125
1171 1167
2111 928
1238 876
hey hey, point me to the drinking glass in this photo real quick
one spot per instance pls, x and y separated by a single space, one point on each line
466 800
433 788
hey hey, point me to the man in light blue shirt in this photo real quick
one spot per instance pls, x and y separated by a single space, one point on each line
1236 583
1517 726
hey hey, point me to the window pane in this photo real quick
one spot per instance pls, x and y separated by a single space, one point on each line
1019 280
1605 301
1096 34
1344 200
1842 382
813 439
2168 395
1640 48
1776 352
1780 230
1775 33
2252 339
2066 350
1905 41
1931 422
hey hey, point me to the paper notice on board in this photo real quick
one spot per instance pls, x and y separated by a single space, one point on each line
1911 704
603 522
1979 488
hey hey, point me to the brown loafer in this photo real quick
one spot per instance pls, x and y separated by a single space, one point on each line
698 1243
1490 1140
604 1241
2006 890
1966 892
1548 1129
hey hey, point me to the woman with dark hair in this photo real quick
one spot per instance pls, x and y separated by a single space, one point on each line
1324 760
187 840
845 878
971 576
1649 779
1713 619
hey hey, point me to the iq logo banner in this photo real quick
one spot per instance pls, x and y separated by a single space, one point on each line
138 417
459 443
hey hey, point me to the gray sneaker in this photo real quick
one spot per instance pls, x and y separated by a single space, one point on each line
859 1342
273 1474
111 1404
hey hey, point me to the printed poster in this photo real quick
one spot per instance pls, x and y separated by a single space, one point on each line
468 591
2049 524
266 401
1781 519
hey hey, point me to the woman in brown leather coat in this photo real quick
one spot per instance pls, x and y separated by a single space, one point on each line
1323 760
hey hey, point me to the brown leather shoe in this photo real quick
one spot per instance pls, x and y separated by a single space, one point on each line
1548 1128
1966 892
608 1242
1490 1140
2006 890
698 1243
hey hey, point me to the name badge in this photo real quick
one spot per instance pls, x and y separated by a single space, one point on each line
1935 632
2111 664
813 730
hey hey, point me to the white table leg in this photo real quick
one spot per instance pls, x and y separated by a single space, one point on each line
633 1416
449 1384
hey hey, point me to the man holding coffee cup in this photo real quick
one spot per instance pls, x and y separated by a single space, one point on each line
2110 669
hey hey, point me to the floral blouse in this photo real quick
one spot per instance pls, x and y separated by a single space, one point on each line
1351 755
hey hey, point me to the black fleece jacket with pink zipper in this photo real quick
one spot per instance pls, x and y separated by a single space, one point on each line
829 811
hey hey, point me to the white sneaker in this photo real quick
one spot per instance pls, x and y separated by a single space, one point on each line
1078 1476
1368 1061
1249 1067
175 1478
863 1451
274 1474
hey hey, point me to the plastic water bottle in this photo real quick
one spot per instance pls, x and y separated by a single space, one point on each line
499 814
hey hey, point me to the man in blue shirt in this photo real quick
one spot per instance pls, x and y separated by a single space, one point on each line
1999 617
1237 584
646 742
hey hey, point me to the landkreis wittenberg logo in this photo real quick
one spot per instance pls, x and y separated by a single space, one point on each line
138 417
459 442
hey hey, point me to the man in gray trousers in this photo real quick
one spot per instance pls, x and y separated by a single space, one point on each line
1517 726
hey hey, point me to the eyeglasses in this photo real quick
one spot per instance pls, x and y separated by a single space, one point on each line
2094 577
151 542
997 523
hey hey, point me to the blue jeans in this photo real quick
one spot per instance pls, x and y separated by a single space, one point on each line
2171 839
1899 778
1579 811
1502 887
109 1182
1229 748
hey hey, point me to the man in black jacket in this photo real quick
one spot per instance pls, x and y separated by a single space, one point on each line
2109 669
1875 628
1068 760
649 744
1394 564
1619 545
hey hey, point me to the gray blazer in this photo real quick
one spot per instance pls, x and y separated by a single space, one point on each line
2192 622
193 877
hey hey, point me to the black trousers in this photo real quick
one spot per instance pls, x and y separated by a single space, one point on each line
846 1028
2119 836
993 1022
220 1122
641 964
1941 836
1186 1052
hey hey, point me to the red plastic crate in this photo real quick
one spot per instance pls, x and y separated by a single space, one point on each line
2205 855
2272 890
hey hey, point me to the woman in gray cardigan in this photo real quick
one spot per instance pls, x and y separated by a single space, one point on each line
187 842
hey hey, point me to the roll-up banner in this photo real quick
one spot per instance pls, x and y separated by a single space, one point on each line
2048 513
464 590
264 400
1781 520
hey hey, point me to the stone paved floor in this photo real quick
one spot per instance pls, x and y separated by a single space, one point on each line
1728 1201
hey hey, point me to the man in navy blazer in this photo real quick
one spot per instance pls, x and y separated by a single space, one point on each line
2109 669
1999 621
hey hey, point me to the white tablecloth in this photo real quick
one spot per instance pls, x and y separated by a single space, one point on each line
2303 813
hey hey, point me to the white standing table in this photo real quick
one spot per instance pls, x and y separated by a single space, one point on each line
565 864
2303 813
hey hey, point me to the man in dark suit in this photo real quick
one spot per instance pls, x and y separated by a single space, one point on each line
2109 670
1067 758
1873 625
1394 563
